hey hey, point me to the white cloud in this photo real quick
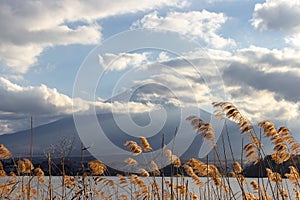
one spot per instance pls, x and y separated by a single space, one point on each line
19 58
293 40
179 89
44 101
202 25
259 105
270 60
5 127
261 81
163 56
27 28
293 125
277 15
33 100
218 1
124 107
123 60
284 60
19 123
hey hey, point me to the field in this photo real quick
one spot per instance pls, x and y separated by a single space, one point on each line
111 187
194 179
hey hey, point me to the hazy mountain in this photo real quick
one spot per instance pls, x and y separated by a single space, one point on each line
44 137
186 142
50 136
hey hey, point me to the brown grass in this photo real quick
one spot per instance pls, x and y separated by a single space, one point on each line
210 181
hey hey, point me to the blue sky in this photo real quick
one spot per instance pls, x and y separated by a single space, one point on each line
254 46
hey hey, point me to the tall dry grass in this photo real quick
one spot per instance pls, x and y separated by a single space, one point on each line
210 180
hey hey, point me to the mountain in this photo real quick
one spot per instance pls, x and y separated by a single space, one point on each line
52 135
45 137
105 133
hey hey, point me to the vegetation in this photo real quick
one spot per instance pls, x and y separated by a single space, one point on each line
210 181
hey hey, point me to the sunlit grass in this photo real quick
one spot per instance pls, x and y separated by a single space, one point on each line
194 179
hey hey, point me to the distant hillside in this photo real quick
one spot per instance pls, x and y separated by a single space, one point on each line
259 169
50 136
44 137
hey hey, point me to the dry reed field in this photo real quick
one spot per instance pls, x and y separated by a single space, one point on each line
192 180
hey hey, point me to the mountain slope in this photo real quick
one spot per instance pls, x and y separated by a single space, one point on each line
44 137
47 136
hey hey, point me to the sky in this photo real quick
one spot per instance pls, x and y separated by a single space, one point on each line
248 49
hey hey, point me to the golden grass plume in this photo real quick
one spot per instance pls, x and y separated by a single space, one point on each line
228 110
145 144
131 161
97 167
173 159
40 174
134 147
204 129
4 152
